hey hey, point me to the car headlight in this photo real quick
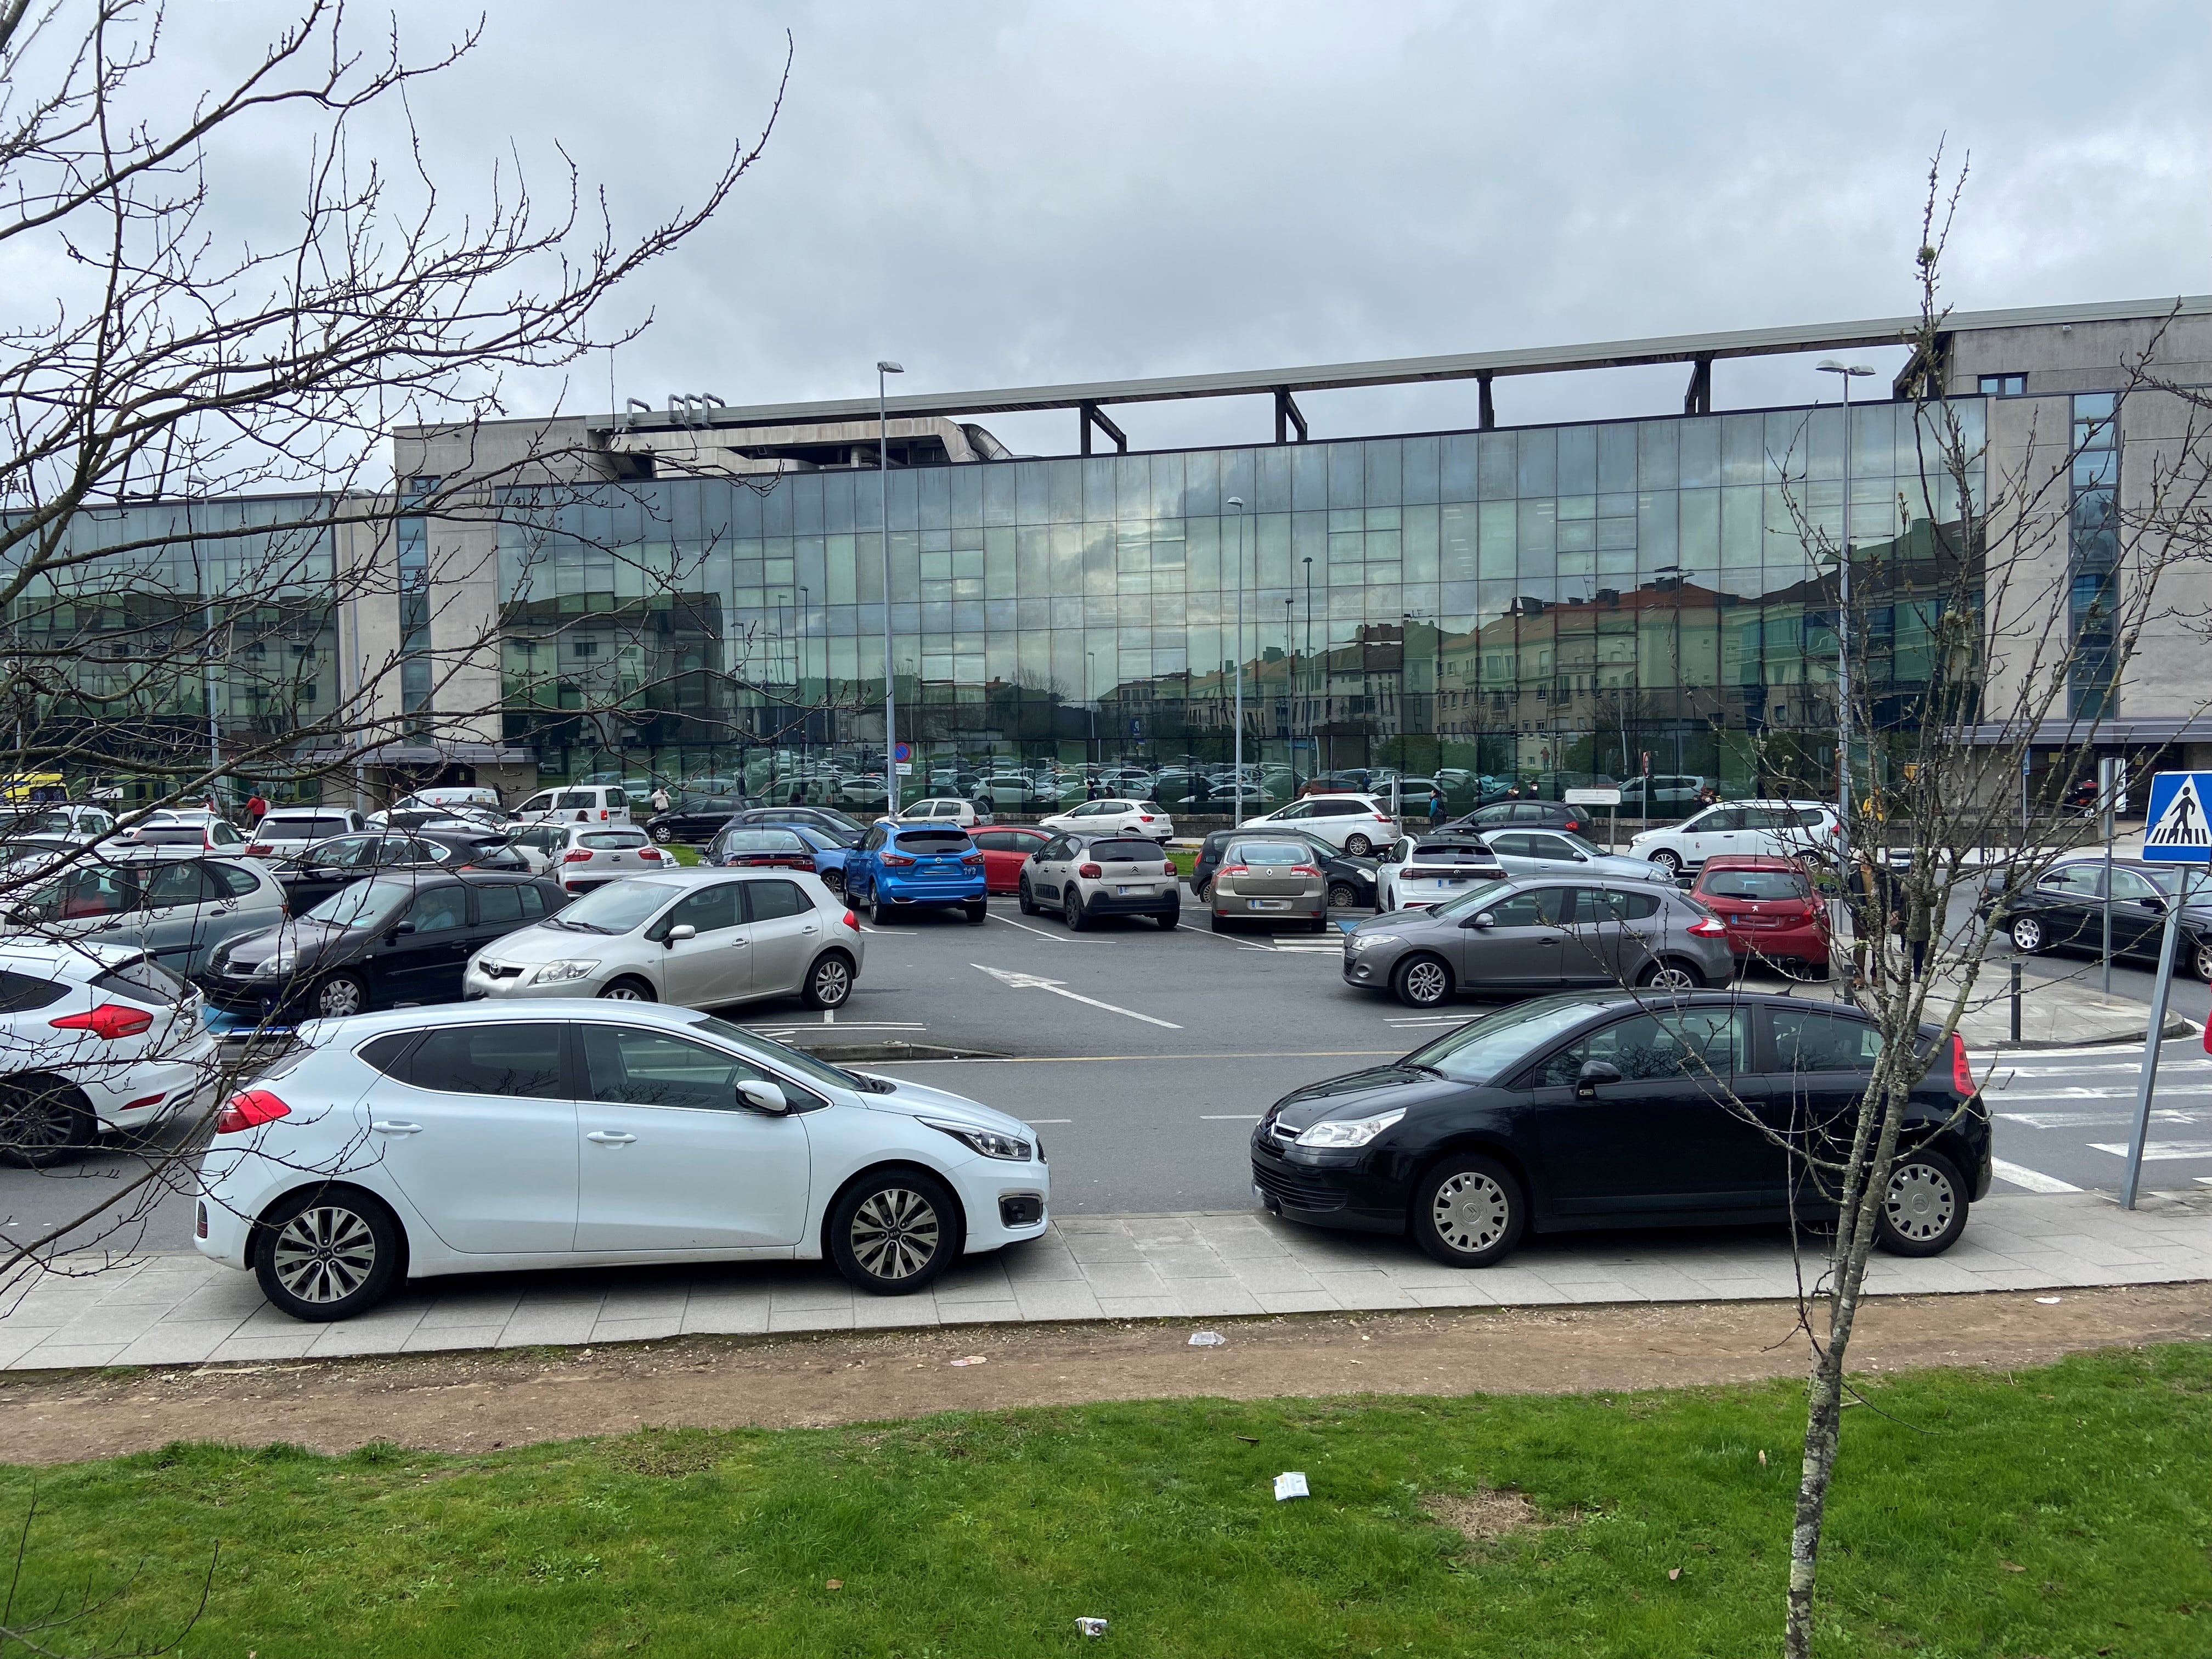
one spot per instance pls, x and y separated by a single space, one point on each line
1361 941
280 964
1352 1132
989 1142
553 972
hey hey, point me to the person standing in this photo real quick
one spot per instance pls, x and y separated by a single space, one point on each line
1435 805
659 797
256 810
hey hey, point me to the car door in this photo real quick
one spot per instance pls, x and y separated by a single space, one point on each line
1593 953
423 955
2138 915
1523 948
1050 869
475 1124
1822 1061
1717 829
2070 903
535 807
177 923
715 965
784 928
671 1159
862 863
1680 1131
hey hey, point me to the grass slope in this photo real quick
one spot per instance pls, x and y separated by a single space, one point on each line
2056 1512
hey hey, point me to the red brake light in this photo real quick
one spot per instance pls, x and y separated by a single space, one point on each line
1144 817
247 1109
1234 870
1962 1069
1089 871
260 849
1303 870
109 1021
1381 818
975 861
1707 927
851 922
652 852
580 856
896 858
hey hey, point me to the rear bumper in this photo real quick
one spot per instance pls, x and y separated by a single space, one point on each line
182 1084
1307 905
1143 899
907 890
1805 944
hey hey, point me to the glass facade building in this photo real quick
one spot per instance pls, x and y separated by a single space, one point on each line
1542 603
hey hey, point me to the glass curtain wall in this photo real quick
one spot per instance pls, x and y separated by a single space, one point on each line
1546 605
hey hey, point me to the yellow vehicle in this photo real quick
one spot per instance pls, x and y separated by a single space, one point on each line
32 788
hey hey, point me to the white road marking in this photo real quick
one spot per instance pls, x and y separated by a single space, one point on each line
2093 1120
1057 939
2153 1150
2035 1180
1052 1119
1035 982
1229 1117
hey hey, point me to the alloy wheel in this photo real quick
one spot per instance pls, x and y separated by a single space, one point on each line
2204 960
895 1233
325 1253
1920 1202
339 996
623 991
1470 1212
1671 976
833 983
2027 936
1669 862
1358 846
1426 982
34 1124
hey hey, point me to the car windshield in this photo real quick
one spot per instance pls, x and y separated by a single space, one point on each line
1494 1045
1475 898
934 841
1756 884
615 909
368 904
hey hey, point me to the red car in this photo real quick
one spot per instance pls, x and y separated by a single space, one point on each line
1005 851
1768 907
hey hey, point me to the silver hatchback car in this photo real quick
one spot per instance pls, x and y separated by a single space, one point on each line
1534 934
1262 879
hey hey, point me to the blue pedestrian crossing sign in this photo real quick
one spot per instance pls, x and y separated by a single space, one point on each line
2176 829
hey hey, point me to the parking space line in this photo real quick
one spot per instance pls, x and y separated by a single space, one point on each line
1051 1120
2035 1180
1229 1117
1037 982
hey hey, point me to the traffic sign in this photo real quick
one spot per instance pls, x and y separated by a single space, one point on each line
2177 829
902 752
1593 797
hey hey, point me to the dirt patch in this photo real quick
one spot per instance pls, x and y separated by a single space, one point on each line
477 1400
1494 1512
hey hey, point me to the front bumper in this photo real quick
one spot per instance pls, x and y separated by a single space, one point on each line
1300 1187
494 979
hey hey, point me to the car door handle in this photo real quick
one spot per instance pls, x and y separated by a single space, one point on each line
389 1126
610 1137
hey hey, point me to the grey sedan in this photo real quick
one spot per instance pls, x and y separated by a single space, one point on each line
1556 853
1541 934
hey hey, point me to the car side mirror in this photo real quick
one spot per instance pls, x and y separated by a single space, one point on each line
1487 919
679 933
762 1098
402 928
2156 905
1594 1073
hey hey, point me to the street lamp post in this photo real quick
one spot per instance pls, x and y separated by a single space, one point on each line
1091 696
1314 764
1845 373
805 714
891 684
1237 761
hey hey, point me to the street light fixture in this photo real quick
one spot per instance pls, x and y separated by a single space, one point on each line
1846 373
890 693
1237 503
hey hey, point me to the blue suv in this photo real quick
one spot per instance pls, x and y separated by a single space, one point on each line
896 865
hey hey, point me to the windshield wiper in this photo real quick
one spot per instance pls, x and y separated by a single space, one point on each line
1415 1066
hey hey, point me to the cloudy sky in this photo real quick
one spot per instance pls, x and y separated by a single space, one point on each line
1010 194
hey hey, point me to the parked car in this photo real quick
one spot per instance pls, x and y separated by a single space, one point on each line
74 822
1267 878
1081 877
833 823
1541 934
400 938
699 938
1420 871
766 847
435 817
899 863
1768 907
1118 815
597 803
947 809
285 830
1557 853
1005 851
326 866
206 832
693 819
1601 1110
554 1134
1351 883
593 856
95 1038
1661 795
1767 828
827 851
1353 823
2064 910
175 910
1525 815
484 849
454 795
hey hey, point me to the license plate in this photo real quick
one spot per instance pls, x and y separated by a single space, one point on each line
1120 892
1271 904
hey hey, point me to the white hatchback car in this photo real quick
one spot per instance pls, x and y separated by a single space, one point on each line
1119 816
94 1039
1419 870
555 1134
947 809
1357 824
1766 829
593 855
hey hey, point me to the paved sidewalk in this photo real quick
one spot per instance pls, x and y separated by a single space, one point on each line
184 1309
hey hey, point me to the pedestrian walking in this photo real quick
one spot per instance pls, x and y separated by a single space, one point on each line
1435 805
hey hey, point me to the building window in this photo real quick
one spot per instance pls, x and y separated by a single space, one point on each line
2093 559
414 562
2003 386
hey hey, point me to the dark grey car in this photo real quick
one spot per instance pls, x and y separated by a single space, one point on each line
1537 934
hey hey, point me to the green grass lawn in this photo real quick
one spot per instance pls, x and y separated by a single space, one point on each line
2062 1511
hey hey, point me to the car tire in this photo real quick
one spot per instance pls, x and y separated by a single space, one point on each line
1670 861
1422 981
327 1254
1358 846
892 1232
977 910
336 995
879 911
1218 922
1924 1209
42 1121
2201 957
830 981
834 881
1168 920
662 834
1071 910
1342 897
2027 935
1317 924
1025 899
1671 976
627 988
1468 1211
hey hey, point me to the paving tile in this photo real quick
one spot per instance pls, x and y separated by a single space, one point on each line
811 1319
244 1349
1056 1299
893 1313
1043 1262
644 1304
107 1322
1189 1261
1101 1248
975 1313
1469 1292
977 1281
1071 1225
1273 1275
1139 1307
726 1313
637 1330
533 1328
1282 1302
373 1332
825 1291
470 1310
67 1355
15 1344
1134 1278
431 1338
1373 1289
173 1342
1238 1239
1206 1298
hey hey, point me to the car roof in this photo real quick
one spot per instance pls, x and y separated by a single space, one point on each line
357 1027
1752 861
78 959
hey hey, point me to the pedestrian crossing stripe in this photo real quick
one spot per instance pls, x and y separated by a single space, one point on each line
2179 832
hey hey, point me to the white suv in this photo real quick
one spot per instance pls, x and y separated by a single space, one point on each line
579 804
1764 828
1357 824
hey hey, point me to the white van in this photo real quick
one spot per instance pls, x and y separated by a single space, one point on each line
453 797
593 803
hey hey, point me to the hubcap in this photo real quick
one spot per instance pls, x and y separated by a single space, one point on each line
830 982
1470 1212
1920 1202
895 1233
1341 897
2204 961
2027 935
1670 979
1425 981
622 993
324 1255
339 997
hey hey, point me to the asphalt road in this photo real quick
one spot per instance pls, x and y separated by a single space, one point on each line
1143 1057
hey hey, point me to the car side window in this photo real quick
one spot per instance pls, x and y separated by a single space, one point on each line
2073 881
521 1061
1548 847
1704 1043
173 885
1533 910
439 909
537 804
767 901
709 909
1812 1040
21 992
1295 810
1511 844
634 1067
2129 888
873 839
534 900
497 906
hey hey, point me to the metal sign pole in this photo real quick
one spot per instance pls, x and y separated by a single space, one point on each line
2152 1033
2108 781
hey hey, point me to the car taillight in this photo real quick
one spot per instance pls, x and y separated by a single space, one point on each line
1381 818
651 853
1708 927
896 858
1089 871
1167 869
851 922
580 856
1144 817
973 860
1304 870
248 1110
1962 1069
603 815
803 862
258 849
1234 870
110 1020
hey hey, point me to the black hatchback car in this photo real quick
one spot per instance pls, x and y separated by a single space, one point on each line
400 938
1351 880
1601 1110
1526 815
693 819
2064 910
